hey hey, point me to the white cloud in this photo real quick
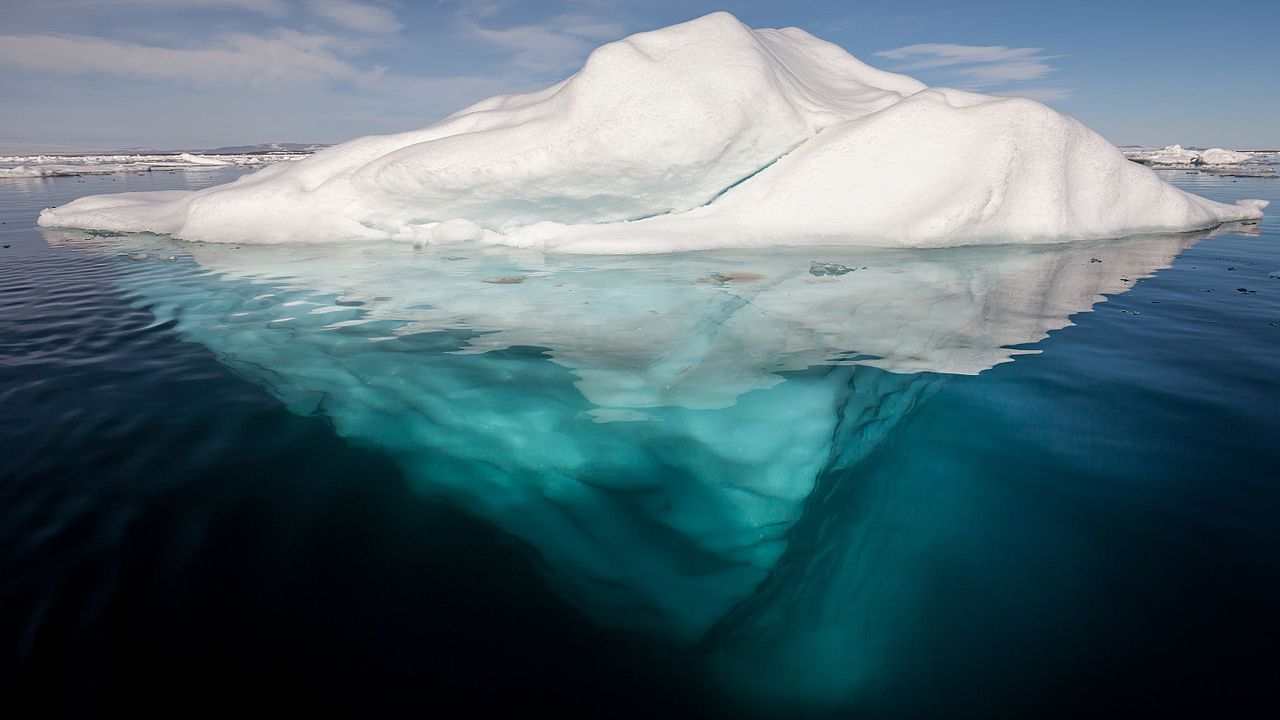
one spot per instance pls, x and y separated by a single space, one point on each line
1042 94
556 44
271 8
287 56
927 55
360 17
993 68
283 58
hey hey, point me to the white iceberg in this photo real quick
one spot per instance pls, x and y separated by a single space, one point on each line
1218 156
700 135
201 159
1168 155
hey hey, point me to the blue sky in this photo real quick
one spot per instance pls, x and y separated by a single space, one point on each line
203 73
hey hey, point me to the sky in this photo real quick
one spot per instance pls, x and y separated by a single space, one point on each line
195 74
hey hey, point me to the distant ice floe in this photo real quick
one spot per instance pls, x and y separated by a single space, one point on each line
701 135
37 166
1213 160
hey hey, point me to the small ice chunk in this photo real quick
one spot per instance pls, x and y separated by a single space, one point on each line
1253 203
1218 156
820 269
201 159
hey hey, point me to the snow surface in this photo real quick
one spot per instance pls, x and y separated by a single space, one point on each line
700 135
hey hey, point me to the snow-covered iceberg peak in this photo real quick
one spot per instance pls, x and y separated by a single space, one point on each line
703 134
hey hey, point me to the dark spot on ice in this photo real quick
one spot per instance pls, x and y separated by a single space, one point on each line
731 277
819 269
1233 267
1094 260
1245 291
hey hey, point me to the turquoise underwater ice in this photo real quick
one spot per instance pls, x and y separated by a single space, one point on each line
653 427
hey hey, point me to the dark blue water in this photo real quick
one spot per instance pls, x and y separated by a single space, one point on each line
265 481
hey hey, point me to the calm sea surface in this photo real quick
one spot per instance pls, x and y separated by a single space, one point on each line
247 480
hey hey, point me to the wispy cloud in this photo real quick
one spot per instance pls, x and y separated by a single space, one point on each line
271 8
357 16
286 56
352 15
991 68
1042 94
281 58
553 45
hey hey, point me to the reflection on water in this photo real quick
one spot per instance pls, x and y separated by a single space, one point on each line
775 470
652 425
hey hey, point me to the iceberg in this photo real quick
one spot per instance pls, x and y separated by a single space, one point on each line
202 160
1218 156
1168 155
706 134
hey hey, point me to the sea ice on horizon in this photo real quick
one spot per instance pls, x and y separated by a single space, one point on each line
703 134
1178 155
37 166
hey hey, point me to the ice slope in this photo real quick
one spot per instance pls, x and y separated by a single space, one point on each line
699 135
652 426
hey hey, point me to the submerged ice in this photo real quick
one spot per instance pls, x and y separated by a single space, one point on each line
653 426
700 135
